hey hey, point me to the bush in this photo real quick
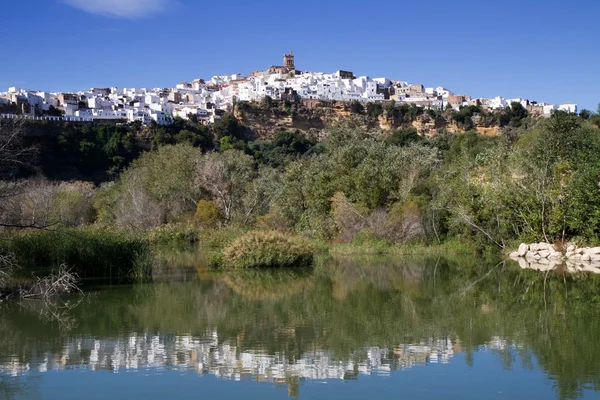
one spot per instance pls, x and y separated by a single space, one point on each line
174 234
72 204
40 202
403 223
349 218
207 214
267 250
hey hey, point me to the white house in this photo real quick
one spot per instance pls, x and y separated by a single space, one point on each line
568 107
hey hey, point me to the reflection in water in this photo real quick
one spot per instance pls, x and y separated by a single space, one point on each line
208 356
345 319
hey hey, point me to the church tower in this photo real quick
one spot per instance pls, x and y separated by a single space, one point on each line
288 61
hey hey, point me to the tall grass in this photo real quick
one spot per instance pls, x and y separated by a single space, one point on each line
89 252
267 250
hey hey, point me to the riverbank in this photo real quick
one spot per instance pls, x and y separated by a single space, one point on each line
118 256
115 255
33 259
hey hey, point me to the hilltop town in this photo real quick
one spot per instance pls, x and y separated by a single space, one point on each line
207 100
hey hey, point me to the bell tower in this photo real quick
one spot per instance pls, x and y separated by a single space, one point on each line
288 61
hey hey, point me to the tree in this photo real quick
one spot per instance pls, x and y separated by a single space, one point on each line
585 114
374 109
229 126
258 194
15 155
391 111
404 137
225 177
284 146
158 187
356 107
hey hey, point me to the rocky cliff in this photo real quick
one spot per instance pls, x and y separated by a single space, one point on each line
311 116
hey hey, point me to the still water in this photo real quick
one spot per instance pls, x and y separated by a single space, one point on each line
351 328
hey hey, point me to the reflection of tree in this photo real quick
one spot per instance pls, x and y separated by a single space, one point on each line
345 306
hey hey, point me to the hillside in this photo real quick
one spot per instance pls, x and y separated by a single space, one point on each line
311 116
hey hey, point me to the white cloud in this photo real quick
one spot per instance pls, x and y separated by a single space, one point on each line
121 8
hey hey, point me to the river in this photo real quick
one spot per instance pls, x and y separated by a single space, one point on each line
351 328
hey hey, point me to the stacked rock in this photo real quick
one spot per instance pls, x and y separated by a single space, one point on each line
546 257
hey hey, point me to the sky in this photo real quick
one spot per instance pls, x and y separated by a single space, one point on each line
539 50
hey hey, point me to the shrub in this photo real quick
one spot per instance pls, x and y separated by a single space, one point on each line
40 202
403 223
174 233
349 218
72 204
207 213
267 250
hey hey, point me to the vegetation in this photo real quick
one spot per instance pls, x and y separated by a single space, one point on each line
266 250
357 185
97 199
88 252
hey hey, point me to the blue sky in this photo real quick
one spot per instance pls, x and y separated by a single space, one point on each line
541 50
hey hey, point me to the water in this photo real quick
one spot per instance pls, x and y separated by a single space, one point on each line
352 328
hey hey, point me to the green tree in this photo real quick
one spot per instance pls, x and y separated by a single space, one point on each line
158 187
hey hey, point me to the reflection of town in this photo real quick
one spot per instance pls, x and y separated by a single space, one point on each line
208 356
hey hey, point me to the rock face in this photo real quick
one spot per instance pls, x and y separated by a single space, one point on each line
546 257
309 115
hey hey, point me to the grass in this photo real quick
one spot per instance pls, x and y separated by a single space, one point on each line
174 235
213 243
90 252
267 249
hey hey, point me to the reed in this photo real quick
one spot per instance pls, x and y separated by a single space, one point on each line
268 249
88 252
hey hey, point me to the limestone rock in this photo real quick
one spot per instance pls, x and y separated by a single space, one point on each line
543 246
523 264
544 268
523 249
544 253
515 255
556 255
571 248
593 250
586 257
